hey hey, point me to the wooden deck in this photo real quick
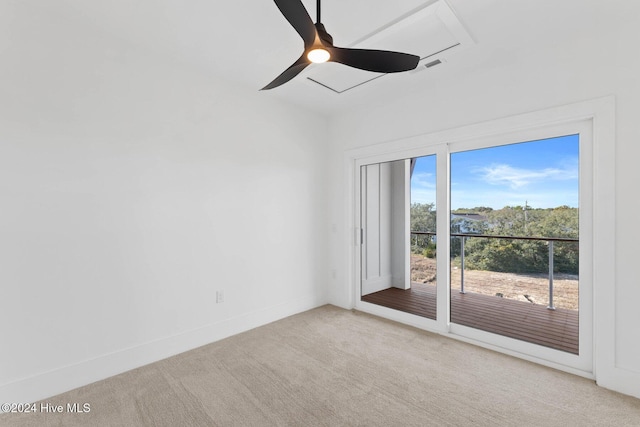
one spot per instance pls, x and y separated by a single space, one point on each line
533 323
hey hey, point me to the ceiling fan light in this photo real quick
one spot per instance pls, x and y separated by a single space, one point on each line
318 55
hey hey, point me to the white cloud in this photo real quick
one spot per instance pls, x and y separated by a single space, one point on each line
423 188
515 178
423 180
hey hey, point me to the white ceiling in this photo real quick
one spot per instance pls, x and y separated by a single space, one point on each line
433 33
250 43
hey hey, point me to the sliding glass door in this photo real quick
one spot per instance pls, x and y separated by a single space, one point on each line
504 262
515 241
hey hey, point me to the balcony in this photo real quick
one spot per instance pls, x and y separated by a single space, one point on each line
549 320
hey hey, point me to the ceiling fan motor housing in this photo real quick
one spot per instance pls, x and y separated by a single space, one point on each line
322 33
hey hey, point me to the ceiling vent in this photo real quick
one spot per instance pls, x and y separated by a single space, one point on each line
433 32
433 63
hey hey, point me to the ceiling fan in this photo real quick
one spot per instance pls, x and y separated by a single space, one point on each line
318 47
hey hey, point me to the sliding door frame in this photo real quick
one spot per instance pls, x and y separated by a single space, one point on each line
442 295
593 121
584 360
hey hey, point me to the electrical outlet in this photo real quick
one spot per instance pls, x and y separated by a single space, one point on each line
219 297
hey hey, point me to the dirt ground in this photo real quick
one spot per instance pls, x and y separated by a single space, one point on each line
531 287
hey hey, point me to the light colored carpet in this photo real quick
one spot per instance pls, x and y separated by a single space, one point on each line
335 367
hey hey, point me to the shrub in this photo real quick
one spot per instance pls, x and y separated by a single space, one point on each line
429 252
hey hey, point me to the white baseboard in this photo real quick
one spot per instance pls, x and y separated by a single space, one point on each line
48 384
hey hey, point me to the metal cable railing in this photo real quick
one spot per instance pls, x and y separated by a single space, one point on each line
463 236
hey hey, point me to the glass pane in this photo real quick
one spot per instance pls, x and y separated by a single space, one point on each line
423 231
398 219
514 241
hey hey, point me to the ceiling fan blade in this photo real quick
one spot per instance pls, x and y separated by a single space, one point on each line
289 73
296 14
379 61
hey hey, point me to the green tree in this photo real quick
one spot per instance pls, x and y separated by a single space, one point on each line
423 218
524 256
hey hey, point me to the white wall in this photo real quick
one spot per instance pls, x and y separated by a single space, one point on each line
376 228
131 190
530 56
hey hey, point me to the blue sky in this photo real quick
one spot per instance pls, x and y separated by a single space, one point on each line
542 173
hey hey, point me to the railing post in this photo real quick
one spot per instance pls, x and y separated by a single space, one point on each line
550 306
462 264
